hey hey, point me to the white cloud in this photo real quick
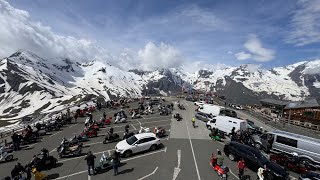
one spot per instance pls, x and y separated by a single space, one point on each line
162 56
242 55
194 66
229 52
18 31
253 67
305 26
255 51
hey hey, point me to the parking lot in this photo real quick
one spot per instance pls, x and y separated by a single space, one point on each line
185 153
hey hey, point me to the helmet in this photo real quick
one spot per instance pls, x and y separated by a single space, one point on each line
294 154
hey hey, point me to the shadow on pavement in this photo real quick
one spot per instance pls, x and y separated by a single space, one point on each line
53 176
126 171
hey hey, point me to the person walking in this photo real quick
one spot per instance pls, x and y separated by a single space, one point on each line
115 162
193 120
241 167
90 162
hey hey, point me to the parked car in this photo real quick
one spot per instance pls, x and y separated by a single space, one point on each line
199 103
307 148
310 176
204 117
254 159
137 143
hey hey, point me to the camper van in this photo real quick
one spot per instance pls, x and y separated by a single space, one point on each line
226 123
280 141
217 110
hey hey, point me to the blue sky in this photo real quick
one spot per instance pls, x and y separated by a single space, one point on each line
232 32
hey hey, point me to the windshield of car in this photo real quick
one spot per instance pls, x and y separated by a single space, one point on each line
131 140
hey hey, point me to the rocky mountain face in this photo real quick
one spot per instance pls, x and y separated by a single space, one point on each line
31 84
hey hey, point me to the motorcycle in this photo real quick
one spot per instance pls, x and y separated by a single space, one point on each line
159 132
104 163
144 130
222 171
109 138
77 140
69 151
181 106
44 163
89 132
164 112
178 117
289 163
136 115
127 135
51 126
6 154
120 120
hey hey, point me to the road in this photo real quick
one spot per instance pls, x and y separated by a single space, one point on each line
185 152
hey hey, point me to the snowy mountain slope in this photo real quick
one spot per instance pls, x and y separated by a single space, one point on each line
29 83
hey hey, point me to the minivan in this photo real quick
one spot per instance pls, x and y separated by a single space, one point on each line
280 141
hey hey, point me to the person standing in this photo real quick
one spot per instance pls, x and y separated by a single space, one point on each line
90 162
115 162
241 167
16 141
193 120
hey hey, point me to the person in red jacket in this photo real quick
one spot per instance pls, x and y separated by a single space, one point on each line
241 167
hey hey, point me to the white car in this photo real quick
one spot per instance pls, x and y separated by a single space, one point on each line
138 143
199 103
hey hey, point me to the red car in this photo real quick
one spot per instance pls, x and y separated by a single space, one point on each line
289 163
89 133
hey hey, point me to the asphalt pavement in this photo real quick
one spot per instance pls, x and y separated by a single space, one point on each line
184 155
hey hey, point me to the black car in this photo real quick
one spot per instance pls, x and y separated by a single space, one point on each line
254 159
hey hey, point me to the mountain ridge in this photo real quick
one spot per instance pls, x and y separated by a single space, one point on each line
29 83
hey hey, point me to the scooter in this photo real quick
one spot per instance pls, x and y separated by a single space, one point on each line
105 162
111 138
69 151
144 130
222 171
5 154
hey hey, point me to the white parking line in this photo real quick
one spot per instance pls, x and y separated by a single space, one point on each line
133 127
149 174
194 158
124 160
52 150
73 125
233 174
55 133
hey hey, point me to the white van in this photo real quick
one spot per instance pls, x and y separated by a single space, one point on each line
217 110
226 123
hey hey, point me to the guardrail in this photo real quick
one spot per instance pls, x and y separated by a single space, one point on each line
302 124
9 130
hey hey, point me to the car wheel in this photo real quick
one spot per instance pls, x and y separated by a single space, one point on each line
257 145
153 147
232 157
9 158
208 127
127 153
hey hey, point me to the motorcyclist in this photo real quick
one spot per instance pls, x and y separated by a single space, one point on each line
45 154
126 129
38 126
90 118
18 168
219 158
294 158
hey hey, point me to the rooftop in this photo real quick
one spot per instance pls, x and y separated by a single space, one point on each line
274 102
303 104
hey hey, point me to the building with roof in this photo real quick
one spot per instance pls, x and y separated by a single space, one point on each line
275 106
308 110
